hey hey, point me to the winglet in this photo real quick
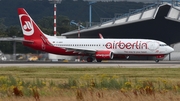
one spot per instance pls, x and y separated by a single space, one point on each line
100 35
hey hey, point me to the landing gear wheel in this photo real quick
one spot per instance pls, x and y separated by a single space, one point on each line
98 60
89 59
156 61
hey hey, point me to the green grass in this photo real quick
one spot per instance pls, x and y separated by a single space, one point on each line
49 81
64 73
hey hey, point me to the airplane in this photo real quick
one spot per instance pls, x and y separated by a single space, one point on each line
99 49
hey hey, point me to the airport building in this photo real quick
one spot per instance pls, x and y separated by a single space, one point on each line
157 21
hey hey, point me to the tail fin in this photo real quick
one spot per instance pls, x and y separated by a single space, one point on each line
30 29
100 35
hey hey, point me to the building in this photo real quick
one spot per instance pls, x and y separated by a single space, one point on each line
157 21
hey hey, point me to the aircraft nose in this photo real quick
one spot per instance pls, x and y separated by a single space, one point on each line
170 49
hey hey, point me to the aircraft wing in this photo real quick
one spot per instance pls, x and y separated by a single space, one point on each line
79 50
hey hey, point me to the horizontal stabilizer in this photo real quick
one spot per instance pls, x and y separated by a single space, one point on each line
28 41
18 40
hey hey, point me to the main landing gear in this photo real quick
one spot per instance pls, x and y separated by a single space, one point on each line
98 60
89 59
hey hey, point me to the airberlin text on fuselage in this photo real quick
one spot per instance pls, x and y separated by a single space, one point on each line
128 45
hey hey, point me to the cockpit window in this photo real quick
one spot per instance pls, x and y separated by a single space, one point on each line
162 45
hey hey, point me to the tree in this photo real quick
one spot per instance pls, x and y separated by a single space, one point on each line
63 24
14 31
2 28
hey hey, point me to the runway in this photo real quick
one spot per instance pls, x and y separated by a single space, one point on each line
116 64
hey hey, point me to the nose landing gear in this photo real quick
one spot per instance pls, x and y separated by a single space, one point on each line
157 61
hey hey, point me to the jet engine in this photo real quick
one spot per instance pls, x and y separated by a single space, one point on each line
104 55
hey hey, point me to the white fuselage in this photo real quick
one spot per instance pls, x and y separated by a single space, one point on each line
117 46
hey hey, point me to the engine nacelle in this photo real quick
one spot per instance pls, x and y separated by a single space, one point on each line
104 55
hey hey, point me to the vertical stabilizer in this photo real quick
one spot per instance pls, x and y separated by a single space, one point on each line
29 28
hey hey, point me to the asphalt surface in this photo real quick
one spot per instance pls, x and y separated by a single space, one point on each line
117 64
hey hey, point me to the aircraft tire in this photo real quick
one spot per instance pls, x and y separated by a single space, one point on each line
89 59
157 61
98 60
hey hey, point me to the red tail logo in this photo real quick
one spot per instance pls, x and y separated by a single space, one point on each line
27 25
29 28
